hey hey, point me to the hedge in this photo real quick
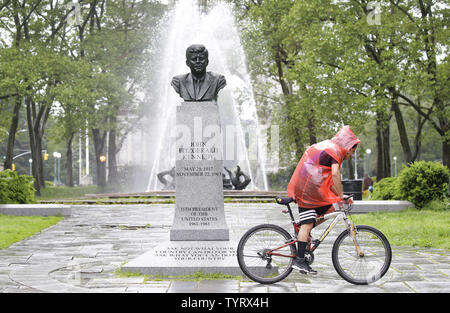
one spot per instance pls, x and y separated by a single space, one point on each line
16 188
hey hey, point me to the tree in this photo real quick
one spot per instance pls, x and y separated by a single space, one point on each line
268 62
425 40
343 69
34 67
118 45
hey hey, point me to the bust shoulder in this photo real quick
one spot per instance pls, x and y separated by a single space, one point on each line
179 78
216 75
221 81
176 81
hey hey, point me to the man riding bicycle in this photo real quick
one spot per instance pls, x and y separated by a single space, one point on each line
316 185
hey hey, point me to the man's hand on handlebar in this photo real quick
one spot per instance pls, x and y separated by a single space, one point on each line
347 199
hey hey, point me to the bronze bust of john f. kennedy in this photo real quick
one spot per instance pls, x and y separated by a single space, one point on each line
198 85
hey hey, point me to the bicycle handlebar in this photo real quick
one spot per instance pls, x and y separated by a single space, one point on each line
342 206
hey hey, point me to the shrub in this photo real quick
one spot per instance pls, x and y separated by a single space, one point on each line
423 182
16 188
386 189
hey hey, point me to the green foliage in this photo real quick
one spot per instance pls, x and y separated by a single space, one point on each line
280 179
438 205
16 188
423 182
386 189
335 67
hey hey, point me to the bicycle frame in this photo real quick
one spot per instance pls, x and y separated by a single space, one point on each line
336 215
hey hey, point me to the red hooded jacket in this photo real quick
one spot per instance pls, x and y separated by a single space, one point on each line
310 185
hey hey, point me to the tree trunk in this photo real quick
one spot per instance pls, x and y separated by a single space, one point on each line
299 148
383 146
37 180
285 88
12 134
311 130
351 169
112 161
36 121
99 147
407 154
69 162
387 151
38 160
446 153
380 154
445 127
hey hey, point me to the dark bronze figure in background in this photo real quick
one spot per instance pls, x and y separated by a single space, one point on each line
239 180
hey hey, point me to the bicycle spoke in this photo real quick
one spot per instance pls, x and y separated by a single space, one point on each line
251 256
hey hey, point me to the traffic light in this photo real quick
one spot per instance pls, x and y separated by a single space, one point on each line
13 167
45 156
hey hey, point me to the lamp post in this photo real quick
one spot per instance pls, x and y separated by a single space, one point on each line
395 165
57 156
59 168
368 152
102 174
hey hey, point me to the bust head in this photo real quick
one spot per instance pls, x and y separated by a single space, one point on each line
197 59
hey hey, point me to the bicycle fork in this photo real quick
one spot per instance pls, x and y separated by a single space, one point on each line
352 229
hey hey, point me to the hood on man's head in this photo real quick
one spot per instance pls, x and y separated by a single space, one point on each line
345 138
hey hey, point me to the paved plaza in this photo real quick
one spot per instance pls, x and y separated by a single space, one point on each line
83 253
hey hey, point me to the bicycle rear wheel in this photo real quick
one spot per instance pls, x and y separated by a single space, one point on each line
257 262
366 269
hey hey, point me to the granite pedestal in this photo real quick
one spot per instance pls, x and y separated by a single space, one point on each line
199 211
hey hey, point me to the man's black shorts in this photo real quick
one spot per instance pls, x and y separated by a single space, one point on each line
309 215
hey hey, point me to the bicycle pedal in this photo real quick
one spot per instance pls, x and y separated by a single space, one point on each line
304 272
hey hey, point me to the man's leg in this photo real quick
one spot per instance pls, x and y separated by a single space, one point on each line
307 218
303 236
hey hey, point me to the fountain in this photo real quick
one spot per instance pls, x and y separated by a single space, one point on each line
213 139
240 127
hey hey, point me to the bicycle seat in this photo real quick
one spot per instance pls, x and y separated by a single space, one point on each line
282 200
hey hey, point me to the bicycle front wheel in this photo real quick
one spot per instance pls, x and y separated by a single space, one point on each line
368 267
264 255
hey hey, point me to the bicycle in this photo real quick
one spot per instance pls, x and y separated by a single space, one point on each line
361 254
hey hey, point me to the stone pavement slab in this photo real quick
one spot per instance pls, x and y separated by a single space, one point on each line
83 253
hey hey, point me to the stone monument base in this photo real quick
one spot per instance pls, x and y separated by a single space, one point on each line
183 258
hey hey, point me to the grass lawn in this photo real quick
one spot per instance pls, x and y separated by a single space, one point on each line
411 227
16 228
64 192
